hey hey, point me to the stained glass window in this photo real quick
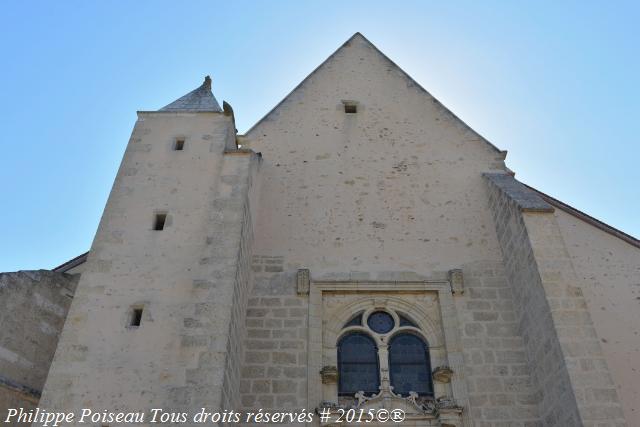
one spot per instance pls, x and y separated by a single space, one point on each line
409 365
380 322
355 321
405 321
358 365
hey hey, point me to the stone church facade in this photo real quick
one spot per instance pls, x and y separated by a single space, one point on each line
359 247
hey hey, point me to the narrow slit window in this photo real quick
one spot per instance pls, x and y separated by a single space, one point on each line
350 108
136 317
179 145
159 222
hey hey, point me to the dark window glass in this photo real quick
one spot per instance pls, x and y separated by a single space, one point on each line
405 321
409 365
355 321
358 365
380 322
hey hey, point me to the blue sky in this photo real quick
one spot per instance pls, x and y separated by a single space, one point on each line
554 83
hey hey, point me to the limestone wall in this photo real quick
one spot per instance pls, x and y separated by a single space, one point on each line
33 308
496 369
568 366
185 277
391 193
246 189
396 187
274 372
608 270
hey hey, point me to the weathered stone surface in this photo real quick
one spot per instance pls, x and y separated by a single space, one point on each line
388 206
33 309
542 279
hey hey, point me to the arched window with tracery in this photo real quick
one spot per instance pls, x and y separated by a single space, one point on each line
358 365
383 348
409 365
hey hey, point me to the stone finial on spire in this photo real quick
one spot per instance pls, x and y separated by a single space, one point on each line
198 100
207 83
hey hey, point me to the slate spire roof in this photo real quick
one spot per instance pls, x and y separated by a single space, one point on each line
200 99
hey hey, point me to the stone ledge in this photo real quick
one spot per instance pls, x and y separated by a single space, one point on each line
526 199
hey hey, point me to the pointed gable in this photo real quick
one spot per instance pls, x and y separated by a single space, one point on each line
198 100
358 38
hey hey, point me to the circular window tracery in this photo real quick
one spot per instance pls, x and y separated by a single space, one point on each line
380 322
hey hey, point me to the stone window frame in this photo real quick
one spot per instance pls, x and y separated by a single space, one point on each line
445 346
384 303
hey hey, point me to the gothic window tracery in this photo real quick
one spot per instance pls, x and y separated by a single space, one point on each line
382 349
355 321
410 368
358 364
380 322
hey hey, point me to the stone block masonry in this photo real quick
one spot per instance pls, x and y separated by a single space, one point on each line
33 308
498 378
563 353
224 278
221 303
274 373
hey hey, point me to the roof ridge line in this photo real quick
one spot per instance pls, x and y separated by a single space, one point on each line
609 229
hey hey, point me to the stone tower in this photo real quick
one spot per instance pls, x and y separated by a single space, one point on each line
156 313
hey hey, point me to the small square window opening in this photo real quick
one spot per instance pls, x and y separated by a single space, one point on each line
159 222
136 317
179 145
350 108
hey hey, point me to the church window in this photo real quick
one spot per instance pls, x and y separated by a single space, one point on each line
405 321
383 348
355 321
409 365
358 365
159 222
380 322
179 144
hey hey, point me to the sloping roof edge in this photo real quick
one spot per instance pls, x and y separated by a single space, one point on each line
200 99
62 268
407 75
587 218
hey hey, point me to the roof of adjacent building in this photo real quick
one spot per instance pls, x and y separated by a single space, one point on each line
198 100
72 263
